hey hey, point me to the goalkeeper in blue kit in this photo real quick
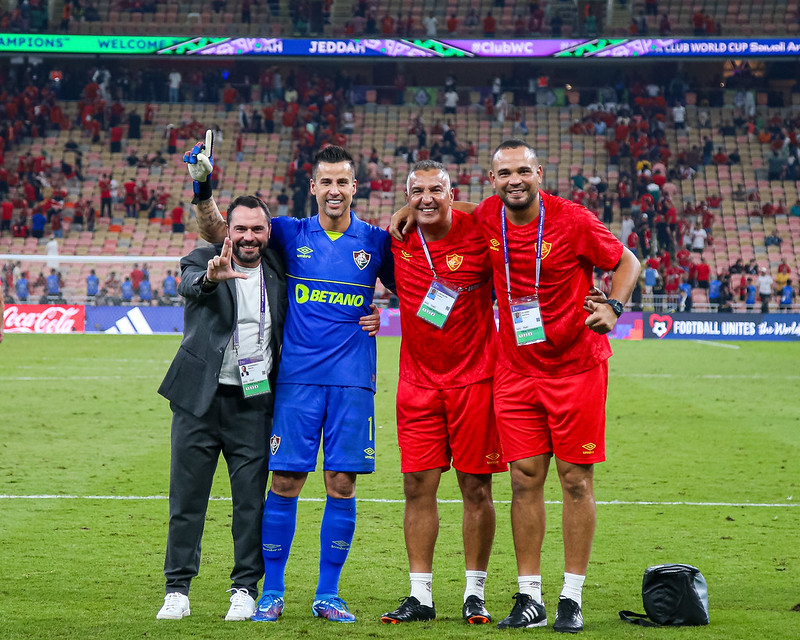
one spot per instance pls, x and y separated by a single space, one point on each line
326 383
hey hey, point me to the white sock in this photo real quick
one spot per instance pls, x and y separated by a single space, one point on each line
573 587
421 587
531 585
476 581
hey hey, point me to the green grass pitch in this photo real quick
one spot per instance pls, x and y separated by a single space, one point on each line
703 467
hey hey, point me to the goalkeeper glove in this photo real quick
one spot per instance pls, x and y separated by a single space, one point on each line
200 162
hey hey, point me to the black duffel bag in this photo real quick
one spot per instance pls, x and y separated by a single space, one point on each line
673 595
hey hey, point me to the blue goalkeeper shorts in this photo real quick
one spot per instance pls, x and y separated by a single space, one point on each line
343 417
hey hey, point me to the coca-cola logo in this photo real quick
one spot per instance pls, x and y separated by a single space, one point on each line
40 318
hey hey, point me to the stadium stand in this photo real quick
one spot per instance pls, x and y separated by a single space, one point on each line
396 18
573 129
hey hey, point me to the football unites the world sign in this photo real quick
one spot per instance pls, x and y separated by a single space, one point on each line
148 320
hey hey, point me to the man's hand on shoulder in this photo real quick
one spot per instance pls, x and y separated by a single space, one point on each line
372 322
402 223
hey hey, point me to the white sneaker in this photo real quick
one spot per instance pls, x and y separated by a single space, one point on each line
242 605
176 606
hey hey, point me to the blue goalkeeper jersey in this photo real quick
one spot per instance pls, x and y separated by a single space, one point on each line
330 285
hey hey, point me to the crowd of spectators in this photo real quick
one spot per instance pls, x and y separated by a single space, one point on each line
134 288
312 109
24 16
660 230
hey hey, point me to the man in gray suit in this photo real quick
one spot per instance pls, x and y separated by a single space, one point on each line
220 391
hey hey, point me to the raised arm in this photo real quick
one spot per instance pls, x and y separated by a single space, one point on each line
210 224
200 163
466 207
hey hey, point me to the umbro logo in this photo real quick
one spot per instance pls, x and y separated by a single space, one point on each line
304 252
369 453
494 244
341 545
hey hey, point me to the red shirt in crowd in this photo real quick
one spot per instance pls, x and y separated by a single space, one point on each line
177 215
702 272
130 192
7 210
489 25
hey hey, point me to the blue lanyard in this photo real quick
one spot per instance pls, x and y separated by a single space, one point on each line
504 233
262 321
427 253
471 287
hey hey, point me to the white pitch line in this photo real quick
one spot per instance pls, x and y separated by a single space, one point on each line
712 343
647 503
705 376
94 360
29 378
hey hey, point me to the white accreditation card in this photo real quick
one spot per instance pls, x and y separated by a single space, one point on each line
254 375
526 318
437 303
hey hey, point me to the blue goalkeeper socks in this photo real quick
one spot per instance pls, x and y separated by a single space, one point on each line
336 535
277 533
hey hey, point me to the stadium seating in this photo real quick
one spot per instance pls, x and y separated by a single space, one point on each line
270 19
265 166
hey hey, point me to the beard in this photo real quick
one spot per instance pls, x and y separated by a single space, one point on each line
519 205
245 259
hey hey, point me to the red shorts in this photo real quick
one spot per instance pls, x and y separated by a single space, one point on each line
435 426
563 416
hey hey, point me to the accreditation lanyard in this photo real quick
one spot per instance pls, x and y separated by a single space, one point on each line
526 315
253 369
441 296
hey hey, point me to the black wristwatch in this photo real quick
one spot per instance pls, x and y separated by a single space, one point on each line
207 285
616 305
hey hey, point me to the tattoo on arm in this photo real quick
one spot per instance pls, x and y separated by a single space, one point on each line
209 220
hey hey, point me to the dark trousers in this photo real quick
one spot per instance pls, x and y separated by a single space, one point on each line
238 428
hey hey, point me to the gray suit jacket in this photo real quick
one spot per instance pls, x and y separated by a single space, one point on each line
209 319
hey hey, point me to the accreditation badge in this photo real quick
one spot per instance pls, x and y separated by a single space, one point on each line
526 318
437 303
254 375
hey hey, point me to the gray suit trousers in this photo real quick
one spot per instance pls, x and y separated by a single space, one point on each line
238 428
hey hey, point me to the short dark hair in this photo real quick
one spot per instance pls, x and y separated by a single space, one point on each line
513 143
331 155
251 202
427 165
